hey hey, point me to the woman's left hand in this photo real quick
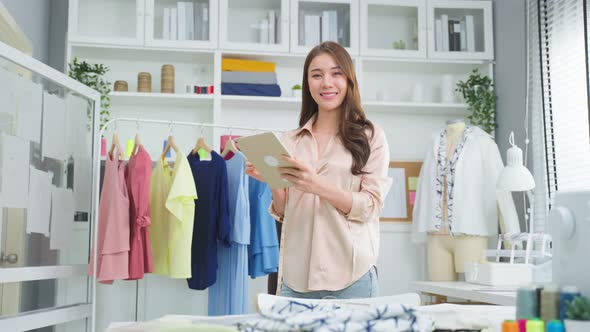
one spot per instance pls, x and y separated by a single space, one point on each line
302 176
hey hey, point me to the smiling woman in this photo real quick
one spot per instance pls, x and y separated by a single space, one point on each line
331 212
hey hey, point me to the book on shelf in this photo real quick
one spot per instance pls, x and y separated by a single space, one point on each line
272 22
454 35
181 20
263 31
438 35
205 21
312 30
329 23
173 24
166 24
445 32
190 21
470 31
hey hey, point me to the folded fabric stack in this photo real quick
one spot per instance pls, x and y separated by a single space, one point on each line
249 78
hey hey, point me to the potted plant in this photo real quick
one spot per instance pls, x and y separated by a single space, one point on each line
478 93
92 75
578 315
296 89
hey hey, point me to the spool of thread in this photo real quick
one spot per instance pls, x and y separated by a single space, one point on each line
121 86
522 325
568 293
535 325
144 82
167 79
527 303
510 326
555 326
549 308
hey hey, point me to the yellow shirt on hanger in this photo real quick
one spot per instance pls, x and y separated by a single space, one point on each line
172 209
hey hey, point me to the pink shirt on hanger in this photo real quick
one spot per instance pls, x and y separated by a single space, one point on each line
139 172
113 224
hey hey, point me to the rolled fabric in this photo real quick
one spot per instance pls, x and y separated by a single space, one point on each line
228 64
243 89
248 77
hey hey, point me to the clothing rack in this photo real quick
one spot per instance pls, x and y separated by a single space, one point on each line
96 179
184 123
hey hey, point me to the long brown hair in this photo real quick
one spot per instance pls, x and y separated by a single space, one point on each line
353 120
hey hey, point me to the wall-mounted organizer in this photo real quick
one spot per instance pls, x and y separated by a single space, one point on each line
407 87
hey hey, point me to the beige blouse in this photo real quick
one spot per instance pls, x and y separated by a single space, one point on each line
322 248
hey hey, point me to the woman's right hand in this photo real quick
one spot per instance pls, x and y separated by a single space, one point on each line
253 172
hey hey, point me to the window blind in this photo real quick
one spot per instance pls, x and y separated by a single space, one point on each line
564 82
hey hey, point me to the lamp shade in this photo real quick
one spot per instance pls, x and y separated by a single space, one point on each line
515 177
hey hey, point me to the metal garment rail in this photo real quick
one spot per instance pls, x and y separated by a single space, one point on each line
97 179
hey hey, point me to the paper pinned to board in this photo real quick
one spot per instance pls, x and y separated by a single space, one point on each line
62 218
395 202
29 104
54 135
80 147
14 163
7 92
39 207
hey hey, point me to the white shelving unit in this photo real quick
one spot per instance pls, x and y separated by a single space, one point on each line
393 28
401 87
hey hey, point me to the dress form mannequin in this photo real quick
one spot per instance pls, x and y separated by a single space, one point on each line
446 254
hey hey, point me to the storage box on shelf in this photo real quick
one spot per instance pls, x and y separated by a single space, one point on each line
315 21
188 24
393 28
254 25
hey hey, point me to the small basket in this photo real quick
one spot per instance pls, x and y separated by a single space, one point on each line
167 79
144 82
121 86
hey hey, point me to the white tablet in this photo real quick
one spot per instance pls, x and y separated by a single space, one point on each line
264 151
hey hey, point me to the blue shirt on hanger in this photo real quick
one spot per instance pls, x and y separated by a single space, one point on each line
229 295
211 220
263 251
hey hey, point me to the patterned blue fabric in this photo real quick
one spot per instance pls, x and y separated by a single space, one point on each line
289 315
263 250
229 295
447 169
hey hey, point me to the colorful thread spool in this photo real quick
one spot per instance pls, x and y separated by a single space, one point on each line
549 308
568 293
522 325
555 326
527 303
510 326
535 325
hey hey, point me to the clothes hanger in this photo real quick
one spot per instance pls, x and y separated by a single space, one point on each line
230 145
115 144
170 144
201 144
137 139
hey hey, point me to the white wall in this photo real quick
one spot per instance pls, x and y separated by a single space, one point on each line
44 22
510 78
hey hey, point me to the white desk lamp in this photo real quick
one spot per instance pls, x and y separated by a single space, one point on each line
516 177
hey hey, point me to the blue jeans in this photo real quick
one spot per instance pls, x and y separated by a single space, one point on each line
366 286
